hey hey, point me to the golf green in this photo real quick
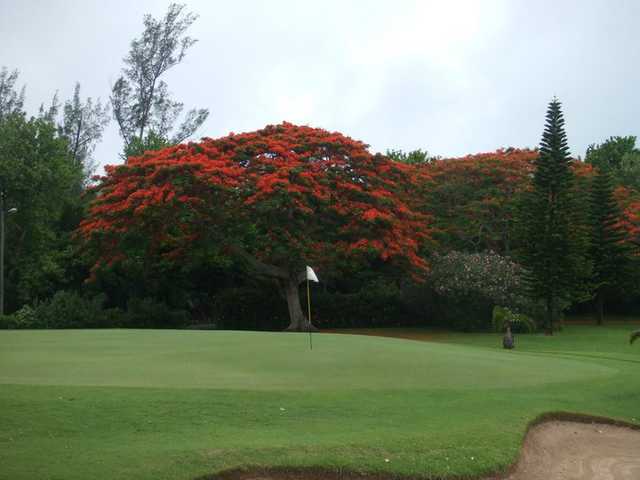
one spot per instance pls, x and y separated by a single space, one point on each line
166 404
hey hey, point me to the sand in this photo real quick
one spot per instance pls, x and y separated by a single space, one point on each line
579 451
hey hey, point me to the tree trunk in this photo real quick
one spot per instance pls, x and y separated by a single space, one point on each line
549 317
507 340
298 322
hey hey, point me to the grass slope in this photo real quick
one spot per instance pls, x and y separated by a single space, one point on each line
180 404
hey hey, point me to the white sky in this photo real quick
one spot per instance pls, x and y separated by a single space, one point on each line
452 77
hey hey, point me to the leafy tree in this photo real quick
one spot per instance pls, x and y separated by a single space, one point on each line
608 251
473 199
35 169
151 141
629 172
277 199
50 113
554 243
11 100
414 157
608 155
628 200
83 123
620 157
141 102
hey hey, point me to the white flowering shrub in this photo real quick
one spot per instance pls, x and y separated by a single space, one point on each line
469 285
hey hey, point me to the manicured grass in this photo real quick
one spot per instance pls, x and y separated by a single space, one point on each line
180 404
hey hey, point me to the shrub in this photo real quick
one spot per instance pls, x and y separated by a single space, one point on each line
255 307
23 318
149 312
375 304
66 309
519 321
467 286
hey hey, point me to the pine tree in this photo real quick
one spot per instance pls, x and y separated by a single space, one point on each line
608 252
555 241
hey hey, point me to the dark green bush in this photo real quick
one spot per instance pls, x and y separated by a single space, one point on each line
69 310
23 318
66 309
376 304
250 307
468 314
151 313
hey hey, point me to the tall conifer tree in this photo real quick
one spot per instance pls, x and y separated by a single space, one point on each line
611 262
554 247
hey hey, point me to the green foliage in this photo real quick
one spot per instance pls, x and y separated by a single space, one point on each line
503 316
414 157
466 286
555 237
23 318
249 306
374 304
610 255
149 312
39 179
69 309
141 102
83 122
259 306
608 155
152 141
471 315
11 100
619 157
629 172
473 199
66 309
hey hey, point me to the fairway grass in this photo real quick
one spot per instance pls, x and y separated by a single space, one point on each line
151 404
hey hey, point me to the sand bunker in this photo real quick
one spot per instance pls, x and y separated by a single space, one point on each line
579 451
553 450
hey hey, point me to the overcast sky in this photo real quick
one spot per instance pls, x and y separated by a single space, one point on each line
452 77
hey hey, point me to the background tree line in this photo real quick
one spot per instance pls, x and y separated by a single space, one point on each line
491 241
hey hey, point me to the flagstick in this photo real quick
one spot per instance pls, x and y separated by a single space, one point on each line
309 318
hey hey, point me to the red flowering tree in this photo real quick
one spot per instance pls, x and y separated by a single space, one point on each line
279 198
472 198
628 201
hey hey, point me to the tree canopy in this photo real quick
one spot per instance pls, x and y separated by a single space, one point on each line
473 199
279 198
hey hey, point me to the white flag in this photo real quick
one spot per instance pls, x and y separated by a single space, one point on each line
311 275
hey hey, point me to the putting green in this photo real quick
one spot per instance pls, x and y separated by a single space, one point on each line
178 405
270 361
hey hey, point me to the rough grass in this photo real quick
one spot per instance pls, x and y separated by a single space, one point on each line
181 404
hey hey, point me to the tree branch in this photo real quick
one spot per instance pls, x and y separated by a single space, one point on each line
259 267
